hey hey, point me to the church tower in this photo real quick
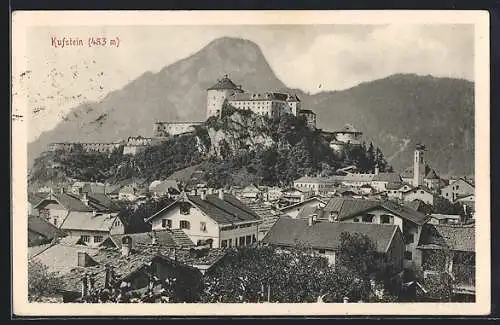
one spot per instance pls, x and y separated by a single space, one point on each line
418 165
218 93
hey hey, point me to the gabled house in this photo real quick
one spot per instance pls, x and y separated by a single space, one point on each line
92 228
165 188
419 193
450 249
164 238
323 238
294 209
250 193
431 179
444 219
294 195
395 190
41 232
33 200
381 181
220 220
408 220
456 189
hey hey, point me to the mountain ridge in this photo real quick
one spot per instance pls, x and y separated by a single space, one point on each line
178 93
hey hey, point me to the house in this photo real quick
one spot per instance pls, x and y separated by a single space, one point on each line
250 193
450 249
294 195
166 188
220 220
87 187
273 194
395 191
408 220
468 200
317 185
294 209
381 180
440 219
456 189
366 189
165 238
134 268
324 237
419 193
357 179
91 227
41 232
55 207
33 200
268 214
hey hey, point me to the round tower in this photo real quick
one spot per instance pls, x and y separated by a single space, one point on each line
218 93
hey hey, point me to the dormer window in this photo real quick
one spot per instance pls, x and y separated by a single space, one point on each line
184 208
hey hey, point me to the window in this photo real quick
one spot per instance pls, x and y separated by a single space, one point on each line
385 218
44 213
97 239
356 220
254 239
85 238
421 192
446 194
230 243
241 241
184 208
248 240
203 226
166 223
223 243
55 221
410 238
367 218
408 255
184 224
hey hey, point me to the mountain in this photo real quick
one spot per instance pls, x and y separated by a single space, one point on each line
394 113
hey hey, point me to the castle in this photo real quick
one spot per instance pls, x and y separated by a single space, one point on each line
272 104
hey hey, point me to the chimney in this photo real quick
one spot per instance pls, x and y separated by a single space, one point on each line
85 199
83 259
376 169
126 245
333 216
94 213
154 239
310 221
84 285
221 194
302 198
203 195
61 190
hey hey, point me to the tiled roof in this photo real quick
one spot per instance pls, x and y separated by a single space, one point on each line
87 221
348 128
459 238
227 211
394 186
224 83
306 211
313 198
257 96
293 98
431 174
349 207
309 179
358 177
445 216
69 201
325 235
163 186
393 178
306 111
44 228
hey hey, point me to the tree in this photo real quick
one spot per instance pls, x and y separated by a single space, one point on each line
41 282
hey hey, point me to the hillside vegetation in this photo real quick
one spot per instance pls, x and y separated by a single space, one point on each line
239 148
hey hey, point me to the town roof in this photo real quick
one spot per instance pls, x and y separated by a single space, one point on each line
354 177
306 211
309 179
453 237
258 96
312 198
230 210
393 178
224 83
168 237
325 235
349 207
91 187
349 128
87 221
44 228
440 216
163 186
251 188
394 186
293 98
429 173
69 201
306 111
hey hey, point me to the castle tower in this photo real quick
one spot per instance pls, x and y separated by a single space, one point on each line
418 165
294 106
218 93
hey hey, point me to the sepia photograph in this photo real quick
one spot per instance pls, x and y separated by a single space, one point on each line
247 162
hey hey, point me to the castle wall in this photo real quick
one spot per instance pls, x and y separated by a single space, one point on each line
165 129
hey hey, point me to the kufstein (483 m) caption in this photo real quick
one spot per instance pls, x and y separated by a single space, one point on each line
67 42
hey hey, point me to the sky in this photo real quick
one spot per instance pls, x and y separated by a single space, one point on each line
313 58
